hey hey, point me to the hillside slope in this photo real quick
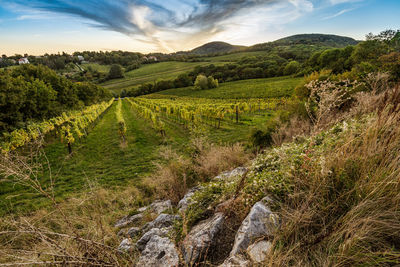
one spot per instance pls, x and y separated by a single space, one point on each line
326 40
216 48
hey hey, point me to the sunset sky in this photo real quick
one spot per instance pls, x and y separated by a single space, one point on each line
49 26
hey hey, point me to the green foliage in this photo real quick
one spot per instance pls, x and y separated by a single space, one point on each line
257 88
115 72
35 93
261 137
204 83
291 68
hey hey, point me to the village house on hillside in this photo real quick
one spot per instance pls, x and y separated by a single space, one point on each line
23 61
81 58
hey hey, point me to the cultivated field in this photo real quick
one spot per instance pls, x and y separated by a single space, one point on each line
102 158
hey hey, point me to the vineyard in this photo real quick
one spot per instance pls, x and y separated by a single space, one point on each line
191 112
67 127
112 143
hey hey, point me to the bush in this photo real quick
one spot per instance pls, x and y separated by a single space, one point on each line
203 83
115 72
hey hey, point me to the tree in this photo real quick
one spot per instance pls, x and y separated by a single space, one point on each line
201 82
115 72
212 83
291 68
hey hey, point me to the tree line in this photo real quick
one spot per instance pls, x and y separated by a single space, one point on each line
34 93
379 52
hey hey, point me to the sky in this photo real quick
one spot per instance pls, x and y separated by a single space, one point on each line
51 26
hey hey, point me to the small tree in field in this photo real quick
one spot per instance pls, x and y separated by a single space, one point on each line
115 72
203 83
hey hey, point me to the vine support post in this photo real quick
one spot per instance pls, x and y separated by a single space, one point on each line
237 114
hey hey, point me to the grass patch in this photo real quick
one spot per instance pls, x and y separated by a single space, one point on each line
256 88
152 73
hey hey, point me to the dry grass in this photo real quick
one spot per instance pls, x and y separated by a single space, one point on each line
76 232
296 127
172 179
213 159
347 213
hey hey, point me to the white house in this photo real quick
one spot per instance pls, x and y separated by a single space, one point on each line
153 58
23 61
81 58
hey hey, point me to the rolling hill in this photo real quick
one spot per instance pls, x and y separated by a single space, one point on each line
326 40
216 48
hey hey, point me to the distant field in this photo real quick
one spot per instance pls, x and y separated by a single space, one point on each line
151 73
234 56
257 88
96 66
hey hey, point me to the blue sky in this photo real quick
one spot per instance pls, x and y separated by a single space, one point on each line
40 26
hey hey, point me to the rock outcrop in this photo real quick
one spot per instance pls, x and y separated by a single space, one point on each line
159 252
187 199
250 246
201 238
162 221
261 221
258 251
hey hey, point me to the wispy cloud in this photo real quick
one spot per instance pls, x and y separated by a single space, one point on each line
159 21
338 13
336 2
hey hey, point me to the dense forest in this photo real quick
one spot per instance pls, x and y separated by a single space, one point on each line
33 93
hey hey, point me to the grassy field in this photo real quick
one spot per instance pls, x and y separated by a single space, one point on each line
97 67
234 56
99 158
151 73
256 88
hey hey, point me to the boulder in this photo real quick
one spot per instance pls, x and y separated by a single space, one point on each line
186 200
133 231
201 238
159 252
127 220
260 221
142 242
258 251
236 261
162 221
231 174
160 206
125 246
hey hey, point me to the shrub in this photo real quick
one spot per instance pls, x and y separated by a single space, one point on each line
203 83
115 72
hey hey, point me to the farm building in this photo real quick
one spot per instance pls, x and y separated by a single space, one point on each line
23 61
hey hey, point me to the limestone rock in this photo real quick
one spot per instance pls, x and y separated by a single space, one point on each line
186 200
235 261
142 242
125 246
127 220
259 251
201 238
159 252
259 222
162 221
231 174
160 206
133 231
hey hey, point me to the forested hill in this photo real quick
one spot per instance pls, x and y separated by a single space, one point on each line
320 40
216 47
327 40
